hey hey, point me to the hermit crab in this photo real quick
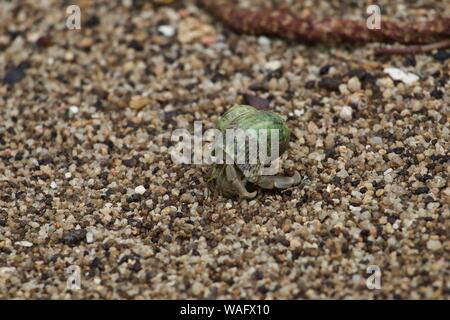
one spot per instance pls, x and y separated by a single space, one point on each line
263 133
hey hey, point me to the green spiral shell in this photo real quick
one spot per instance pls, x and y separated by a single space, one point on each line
247 117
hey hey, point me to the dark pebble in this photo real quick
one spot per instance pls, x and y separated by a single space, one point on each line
135 45
263 289
92 21
324 70
364 233
257 86
310 84
15 74
437 94
96 264
429 199
362 75
130 162
134 198
110 144
422 190
336 181
397 296
289 95
256 102
442 55
345 248
136 267
44 41
330 83
330 152
410 61
392 219
285 242
73 237
258 275
19 156
275 74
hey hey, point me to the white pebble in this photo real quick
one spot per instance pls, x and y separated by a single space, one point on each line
343 89
89 237
53 185
272 65
346 113
68 175
5 270
166 30
264 41
298 113
434 245
397 74
73 110
139 190
24 243
353 84
385 83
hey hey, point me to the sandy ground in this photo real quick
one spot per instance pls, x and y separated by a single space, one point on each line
86 116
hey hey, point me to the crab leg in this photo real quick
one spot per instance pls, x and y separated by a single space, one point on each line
237 183
280 182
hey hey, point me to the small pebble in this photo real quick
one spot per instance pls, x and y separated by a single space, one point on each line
434 245
166 30
197 288
256 102
73 110
139 190
264 41
353 84
376 141
272 65
330 83
397 74
437 94
26 244
346 113
15 74
442 55
89 237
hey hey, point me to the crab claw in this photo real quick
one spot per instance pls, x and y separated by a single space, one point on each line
279 182
238 184
286 182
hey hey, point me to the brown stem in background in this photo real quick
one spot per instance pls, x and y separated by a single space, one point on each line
286 25
414 49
